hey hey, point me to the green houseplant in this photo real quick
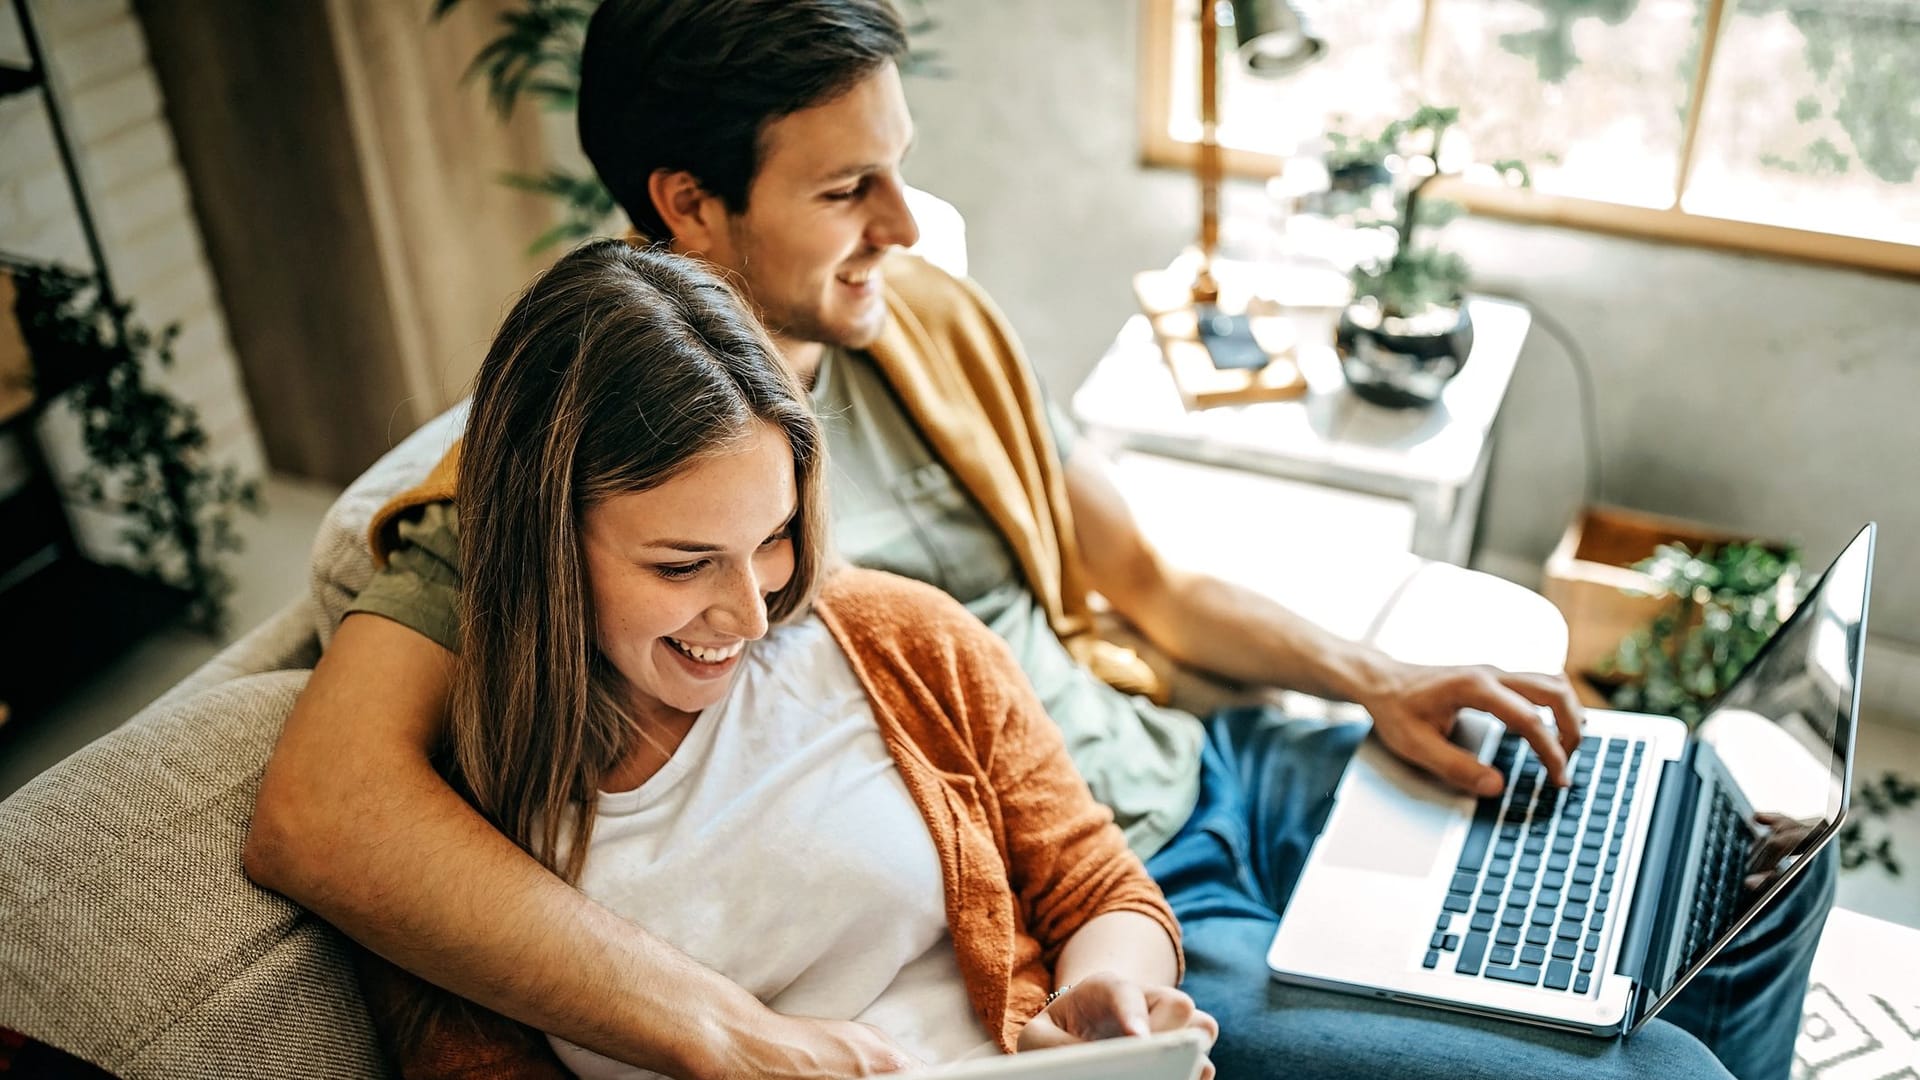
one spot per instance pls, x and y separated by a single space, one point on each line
1725 602
147 453
1407 330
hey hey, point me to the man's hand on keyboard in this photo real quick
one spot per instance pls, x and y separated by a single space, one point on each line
1415 706
1776 836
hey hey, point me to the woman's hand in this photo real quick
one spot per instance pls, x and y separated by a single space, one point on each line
802 1048
1108 1006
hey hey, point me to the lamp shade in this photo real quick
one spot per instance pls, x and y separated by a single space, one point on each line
1274 38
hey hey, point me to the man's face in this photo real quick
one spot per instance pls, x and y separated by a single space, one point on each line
821 213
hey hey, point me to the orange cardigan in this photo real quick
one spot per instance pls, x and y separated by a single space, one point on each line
1027 855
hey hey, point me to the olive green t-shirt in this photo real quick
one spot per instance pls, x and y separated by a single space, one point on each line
897 508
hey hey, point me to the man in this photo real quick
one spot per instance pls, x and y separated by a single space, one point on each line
766 136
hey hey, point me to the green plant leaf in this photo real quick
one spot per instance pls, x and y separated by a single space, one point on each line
146 450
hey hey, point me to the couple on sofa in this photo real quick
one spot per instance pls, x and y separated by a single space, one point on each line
644 771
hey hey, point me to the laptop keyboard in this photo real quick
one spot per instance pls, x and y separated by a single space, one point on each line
1550 857
1723 868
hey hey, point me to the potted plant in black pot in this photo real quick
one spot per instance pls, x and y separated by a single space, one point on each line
1356 167
1407 330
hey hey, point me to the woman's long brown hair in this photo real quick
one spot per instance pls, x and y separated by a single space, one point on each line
615 371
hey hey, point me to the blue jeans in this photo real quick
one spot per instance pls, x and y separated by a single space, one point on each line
1266 786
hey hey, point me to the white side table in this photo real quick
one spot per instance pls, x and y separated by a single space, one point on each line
1435 458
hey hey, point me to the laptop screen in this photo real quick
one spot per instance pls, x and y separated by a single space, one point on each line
1781 739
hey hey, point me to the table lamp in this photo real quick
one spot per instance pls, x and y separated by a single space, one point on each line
1273 41
1214 356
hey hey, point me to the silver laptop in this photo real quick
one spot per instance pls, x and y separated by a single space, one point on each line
1588 908
1176 1055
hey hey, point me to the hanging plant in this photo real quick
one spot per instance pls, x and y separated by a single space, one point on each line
147 458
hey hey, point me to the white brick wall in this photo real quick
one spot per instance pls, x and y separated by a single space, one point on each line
112 106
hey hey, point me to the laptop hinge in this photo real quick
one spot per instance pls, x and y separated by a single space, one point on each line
1650 916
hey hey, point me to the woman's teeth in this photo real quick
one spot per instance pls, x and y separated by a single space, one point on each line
856 278
707 655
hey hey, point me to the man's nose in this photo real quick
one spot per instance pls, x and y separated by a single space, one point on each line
893 224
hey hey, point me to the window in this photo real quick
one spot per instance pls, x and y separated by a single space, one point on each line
1787 127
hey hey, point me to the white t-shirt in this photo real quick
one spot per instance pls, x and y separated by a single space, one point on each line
780 848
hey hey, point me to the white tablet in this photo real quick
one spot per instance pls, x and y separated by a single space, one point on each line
1176 1055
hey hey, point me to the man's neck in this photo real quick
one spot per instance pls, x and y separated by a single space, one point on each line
803 358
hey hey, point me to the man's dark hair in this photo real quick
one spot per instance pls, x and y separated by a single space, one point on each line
692 84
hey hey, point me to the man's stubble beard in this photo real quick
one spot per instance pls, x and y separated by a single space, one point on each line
799 326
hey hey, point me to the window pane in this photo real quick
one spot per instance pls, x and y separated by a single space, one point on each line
1813 118
1365 76
1591 93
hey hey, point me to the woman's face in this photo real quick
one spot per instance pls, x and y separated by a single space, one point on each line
680 574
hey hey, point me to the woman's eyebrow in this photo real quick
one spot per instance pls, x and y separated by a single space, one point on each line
703 547
691 547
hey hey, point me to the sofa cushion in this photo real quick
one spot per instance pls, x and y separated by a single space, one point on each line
283 642
342 565
129 933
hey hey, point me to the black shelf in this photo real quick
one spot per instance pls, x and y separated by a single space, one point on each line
65 623
63 617
15 79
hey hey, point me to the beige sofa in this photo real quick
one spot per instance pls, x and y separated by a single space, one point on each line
130 936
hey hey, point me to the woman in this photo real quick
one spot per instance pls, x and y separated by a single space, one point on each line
839 795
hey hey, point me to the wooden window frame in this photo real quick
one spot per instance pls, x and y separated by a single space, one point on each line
1672 224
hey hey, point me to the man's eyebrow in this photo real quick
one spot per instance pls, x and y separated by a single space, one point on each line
851 172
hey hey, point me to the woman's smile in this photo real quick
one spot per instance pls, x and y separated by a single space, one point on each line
701 661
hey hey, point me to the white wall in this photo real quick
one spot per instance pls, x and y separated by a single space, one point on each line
112 108
1766 396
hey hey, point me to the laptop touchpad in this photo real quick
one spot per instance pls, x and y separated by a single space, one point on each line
1390 818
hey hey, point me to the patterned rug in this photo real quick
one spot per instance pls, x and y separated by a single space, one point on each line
1862 1018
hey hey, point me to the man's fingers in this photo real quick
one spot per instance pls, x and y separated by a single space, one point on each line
1553 692
1434 752
1488 694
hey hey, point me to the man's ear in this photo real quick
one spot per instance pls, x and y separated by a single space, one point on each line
693 216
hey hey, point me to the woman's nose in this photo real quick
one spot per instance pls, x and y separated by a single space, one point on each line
742 612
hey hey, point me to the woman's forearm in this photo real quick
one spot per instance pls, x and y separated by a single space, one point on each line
1126 943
